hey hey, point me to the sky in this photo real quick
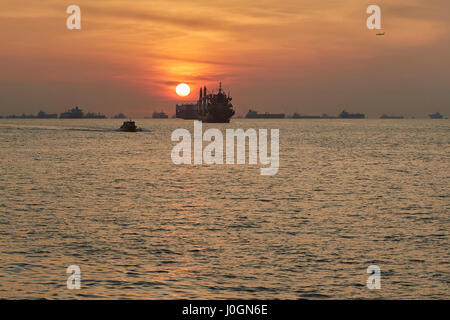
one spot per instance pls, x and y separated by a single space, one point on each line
309 57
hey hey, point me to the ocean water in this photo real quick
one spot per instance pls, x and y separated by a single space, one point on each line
349 194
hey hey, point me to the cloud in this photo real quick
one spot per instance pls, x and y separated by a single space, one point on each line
276 50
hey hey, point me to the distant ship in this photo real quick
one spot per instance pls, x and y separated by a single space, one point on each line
159 115
91 115
187 111
326 116
436 115
74 113
43 115
299 116
215 108
345 115
385 116
252 114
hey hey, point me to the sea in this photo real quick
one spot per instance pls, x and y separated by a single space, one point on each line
349 194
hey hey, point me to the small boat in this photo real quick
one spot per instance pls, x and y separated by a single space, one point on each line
128 126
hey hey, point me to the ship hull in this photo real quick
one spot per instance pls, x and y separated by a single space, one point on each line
255 115
69 116
188 117
213 120
345 115
353 117
218 117
268 116
391 117
306 117
128 129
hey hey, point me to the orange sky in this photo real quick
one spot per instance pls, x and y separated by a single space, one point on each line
311 57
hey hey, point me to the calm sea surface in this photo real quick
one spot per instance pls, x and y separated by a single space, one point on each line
349 194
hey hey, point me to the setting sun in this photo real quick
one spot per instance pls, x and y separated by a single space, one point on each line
183 90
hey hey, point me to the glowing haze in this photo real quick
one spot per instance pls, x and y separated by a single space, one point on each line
310 57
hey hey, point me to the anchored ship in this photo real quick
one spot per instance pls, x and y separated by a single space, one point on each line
120 116
326 116
92 115
159 115
436 115
345 115
187 111
299 116
385 116
215 108
252 114
44 115
74 113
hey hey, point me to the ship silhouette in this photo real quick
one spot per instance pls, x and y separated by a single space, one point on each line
159 115
214 108
436 115
74 113
187 111
345 115
385 116
299 116
252 114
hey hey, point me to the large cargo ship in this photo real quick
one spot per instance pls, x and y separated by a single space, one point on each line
215 108
252 114
74 113
345 115
187 111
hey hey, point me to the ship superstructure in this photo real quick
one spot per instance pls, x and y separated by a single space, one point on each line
216 108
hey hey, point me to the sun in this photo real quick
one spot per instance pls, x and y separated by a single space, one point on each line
183 90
